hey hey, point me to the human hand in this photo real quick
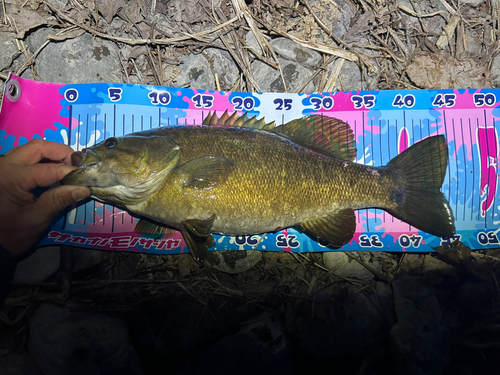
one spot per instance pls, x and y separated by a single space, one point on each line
23 217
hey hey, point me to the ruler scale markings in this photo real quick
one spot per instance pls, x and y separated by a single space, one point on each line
114 208
479 165
456 165
95 141
464 156
70 120
489 171
495 208
159 117
364 162
471 148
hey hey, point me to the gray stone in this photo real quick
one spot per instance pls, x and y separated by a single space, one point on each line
295 52
39 266
420 341
79 343
473 3
350 78
61 4
196 73
233 261
18 364
224 66
80 60
85 258
344 266
9 49
495 72
342 19
269 79
251 41
259 347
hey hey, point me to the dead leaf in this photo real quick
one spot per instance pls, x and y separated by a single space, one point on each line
109 8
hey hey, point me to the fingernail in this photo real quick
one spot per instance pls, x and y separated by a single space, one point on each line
79 194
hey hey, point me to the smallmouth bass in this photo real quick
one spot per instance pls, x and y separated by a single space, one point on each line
242 176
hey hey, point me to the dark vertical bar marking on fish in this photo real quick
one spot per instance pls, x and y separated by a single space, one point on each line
489 169
70 121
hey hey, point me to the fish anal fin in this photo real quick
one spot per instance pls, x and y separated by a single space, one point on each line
150 230
205 172
323 134
196 234
336 229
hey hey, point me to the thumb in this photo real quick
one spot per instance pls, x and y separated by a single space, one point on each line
54 200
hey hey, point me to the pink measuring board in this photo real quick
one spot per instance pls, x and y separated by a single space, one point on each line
384 123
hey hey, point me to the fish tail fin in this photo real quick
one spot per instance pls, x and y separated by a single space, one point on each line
419 173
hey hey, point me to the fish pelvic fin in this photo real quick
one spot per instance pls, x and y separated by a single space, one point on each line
335 229
419 173
196 234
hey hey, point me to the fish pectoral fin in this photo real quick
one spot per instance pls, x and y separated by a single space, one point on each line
206 172
335 229
150 230
197 235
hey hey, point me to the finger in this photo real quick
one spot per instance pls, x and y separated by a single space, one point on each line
43 175
38 149
54 200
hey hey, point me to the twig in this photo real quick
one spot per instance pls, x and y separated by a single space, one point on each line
134 42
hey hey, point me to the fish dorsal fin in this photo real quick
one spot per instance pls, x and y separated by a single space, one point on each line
238 121
325 135
335 229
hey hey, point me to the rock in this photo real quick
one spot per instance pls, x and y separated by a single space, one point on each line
259 347
295 52
77 343
223 65
18 364
434 71
495 71
196 73
350 78
39 266
269 79
420 341
233 261
473 3
85 258
251 41
80 60
9 49
344 266
342 19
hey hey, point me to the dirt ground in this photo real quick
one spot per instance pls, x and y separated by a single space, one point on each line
432 313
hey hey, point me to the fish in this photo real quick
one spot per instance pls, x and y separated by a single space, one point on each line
239 175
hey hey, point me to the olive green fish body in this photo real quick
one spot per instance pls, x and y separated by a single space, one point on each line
275 183
249 177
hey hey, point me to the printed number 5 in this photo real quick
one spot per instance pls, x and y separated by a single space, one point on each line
114 94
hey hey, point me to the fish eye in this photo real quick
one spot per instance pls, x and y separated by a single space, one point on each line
111 142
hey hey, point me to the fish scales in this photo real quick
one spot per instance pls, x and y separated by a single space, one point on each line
275 183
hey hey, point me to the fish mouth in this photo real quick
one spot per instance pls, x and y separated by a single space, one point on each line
80 159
